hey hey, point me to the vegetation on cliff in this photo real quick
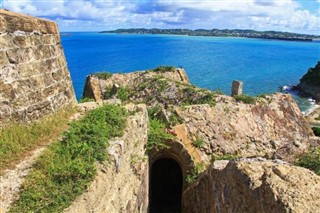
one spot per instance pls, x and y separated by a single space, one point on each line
17 139
157 135
312 77
65 170
310 160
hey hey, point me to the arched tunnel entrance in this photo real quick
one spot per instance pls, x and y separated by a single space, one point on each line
166 182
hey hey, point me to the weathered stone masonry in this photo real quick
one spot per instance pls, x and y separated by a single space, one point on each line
34 77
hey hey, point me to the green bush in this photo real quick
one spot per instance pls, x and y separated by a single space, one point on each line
245 99
215 157
102 75
196 170
65 170
310 160
174 119
157 135
312 76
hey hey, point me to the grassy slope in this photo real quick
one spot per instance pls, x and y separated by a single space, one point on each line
65 170
17 140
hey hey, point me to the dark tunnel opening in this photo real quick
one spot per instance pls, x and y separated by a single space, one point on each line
165 186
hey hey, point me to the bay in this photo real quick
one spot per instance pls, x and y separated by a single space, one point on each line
210 62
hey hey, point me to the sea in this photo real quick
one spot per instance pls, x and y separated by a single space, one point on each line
210 62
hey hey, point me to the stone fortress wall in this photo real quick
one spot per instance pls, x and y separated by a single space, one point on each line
34 77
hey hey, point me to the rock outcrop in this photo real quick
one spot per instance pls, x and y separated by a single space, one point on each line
274 127
310 82
34 77
253 185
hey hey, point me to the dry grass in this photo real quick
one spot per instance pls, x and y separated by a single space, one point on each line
17 140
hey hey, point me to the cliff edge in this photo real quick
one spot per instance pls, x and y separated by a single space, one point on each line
310 82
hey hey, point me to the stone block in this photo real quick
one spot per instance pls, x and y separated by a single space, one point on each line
6 42
9 73
3 59
237 88
21 55
29 69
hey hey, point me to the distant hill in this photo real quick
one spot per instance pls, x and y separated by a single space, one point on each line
221 33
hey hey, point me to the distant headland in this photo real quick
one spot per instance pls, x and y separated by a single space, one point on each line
221 33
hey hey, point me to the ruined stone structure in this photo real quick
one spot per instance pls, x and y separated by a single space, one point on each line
237 88
34 81
34 77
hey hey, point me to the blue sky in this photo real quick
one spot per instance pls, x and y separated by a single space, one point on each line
302 16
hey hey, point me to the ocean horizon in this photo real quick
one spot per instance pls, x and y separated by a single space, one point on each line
210 62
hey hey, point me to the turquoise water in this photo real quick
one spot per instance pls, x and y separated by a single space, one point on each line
210 62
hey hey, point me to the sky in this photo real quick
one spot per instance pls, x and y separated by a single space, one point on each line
300 16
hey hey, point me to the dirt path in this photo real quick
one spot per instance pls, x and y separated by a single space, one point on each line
11 181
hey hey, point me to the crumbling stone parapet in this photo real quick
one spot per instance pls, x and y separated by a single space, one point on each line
237 88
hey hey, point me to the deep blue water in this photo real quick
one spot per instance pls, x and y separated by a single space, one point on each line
210 62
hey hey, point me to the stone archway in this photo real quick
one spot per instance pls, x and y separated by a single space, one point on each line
166 182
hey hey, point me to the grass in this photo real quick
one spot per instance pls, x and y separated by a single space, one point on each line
310 160
86 99
123 94
198 143
66 169
18 139
162 69
194 174
102 75
245 99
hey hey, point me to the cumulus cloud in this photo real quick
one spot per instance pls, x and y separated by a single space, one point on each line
284 15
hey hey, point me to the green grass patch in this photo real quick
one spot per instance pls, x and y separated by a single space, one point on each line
123 94
66 169
102 75
310 160
86 99
198 143
17 139
162 69
245 99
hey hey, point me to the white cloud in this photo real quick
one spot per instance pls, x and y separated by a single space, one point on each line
284 15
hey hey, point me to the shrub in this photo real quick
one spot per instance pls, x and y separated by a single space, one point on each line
245 99
157 135
65 170
102 75
310 160
193 175
123 94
